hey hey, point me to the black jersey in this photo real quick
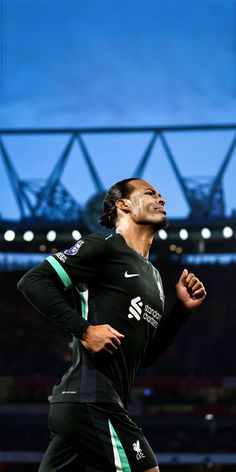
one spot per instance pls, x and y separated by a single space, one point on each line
112 284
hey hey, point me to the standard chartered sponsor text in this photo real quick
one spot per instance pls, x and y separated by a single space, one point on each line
151 316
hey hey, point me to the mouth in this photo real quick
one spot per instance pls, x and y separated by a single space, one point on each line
161 210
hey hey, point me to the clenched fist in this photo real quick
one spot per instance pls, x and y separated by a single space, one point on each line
190 290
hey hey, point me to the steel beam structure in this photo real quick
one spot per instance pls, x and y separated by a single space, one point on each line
47 202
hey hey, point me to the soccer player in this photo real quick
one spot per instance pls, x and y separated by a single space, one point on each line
118 325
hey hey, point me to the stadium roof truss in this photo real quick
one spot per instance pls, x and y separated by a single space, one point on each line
47 203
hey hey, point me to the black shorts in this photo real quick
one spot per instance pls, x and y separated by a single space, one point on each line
101 437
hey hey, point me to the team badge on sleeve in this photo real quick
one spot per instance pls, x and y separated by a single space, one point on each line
74 249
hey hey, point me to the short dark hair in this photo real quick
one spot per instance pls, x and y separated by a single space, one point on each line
121 189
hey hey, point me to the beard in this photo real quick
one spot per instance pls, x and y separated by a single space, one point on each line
157 225
163 224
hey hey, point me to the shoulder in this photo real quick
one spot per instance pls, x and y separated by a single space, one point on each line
115 240
89 245
155 271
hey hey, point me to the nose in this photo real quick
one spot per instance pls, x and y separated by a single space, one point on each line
161 200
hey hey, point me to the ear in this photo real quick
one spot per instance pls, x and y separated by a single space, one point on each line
123 204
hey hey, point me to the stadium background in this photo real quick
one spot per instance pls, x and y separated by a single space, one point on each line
80 85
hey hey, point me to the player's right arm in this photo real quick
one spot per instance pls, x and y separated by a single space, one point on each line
43 286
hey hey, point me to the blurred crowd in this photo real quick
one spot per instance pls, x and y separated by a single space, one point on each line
31 345
186 402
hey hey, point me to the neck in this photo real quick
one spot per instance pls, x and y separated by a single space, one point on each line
138 237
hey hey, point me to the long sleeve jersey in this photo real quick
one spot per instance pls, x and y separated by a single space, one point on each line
111 284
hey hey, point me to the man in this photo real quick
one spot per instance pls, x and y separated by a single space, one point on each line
117 325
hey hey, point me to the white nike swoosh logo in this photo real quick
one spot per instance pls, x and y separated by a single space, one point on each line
130 275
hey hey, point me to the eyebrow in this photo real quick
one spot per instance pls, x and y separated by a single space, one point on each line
153 191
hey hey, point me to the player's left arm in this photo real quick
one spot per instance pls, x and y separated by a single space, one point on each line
190 293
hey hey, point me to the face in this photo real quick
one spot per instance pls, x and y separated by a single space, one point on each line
147 205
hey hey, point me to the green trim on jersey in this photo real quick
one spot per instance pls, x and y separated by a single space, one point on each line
84 303
120 458
60 271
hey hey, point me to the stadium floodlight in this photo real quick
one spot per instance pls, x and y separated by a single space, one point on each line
227 232
209 417
9 235
172 247
147 392
162 234
42 247
76 234
183 234
206 233
51 236
28 236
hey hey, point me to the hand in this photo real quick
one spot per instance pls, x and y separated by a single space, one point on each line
190 291
101 338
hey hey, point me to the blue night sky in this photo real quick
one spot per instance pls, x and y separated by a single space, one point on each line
68 63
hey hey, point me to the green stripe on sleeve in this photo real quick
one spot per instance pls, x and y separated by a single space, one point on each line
84 303
60 271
